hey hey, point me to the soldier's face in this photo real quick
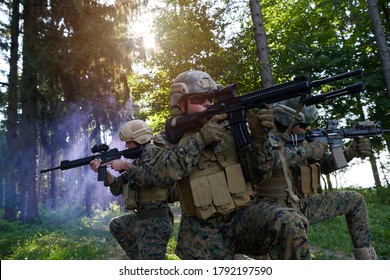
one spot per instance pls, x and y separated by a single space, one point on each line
131 144
196 108
299 129
189 107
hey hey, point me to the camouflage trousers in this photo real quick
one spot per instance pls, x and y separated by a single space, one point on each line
322 207
142 239
263 227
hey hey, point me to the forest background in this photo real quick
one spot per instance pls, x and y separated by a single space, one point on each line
77 71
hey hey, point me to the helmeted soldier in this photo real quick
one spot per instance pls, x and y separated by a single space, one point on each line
304 163
219 219
143 233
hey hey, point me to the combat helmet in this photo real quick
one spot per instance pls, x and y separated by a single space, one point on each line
191 82
284 111
137 131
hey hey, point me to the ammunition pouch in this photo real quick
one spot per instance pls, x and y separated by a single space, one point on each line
216 185
129 196
307 180
215 194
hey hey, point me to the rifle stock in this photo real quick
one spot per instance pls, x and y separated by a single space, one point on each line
235 106
105 155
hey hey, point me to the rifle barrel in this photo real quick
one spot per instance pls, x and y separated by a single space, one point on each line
317 83
50 169
355 88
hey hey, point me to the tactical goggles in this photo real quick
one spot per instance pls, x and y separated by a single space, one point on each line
303 125
199 98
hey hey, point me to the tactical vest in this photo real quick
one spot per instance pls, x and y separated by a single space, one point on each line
134 195
216 185
143 195
305 181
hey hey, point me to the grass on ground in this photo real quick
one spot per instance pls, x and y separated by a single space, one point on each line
69 235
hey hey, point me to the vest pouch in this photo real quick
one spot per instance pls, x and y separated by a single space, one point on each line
307 178
220 193
305 188
129 197
315 177
249 188
202 197
237 185
186 198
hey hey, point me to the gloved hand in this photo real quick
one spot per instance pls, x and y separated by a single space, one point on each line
212 131
261 124
316 150
359 147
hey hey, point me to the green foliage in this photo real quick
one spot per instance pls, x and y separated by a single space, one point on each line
14 234
59 245
63 235
69 235
190 37
170 254
151 94
383 194
331 235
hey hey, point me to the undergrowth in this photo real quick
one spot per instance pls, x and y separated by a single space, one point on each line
69 234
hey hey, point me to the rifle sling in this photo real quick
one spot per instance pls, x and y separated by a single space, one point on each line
286 175
281 143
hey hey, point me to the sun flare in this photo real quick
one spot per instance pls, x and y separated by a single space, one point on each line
142 28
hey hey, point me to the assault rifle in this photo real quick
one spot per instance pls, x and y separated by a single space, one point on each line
235 106
105 155
334 136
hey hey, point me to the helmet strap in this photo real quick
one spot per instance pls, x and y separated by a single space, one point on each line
183 107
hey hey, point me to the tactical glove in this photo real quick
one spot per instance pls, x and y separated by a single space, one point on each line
261 124
316 150
212 131
359 147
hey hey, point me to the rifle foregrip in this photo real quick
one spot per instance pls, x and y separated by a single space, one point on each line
102 173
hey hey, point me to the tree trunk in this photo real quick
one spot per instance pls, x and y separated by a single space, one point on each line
329 185
88 199
375 171
53 184
261 44
381 40
28 132
12 117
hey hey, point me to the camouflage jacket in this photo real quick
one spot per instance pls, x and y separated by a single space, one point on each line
299 155
120 182
165 163
123 181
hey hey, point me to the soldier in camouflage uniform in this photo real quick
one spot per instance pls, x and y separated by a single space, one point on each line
301 189
144 232
219 218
